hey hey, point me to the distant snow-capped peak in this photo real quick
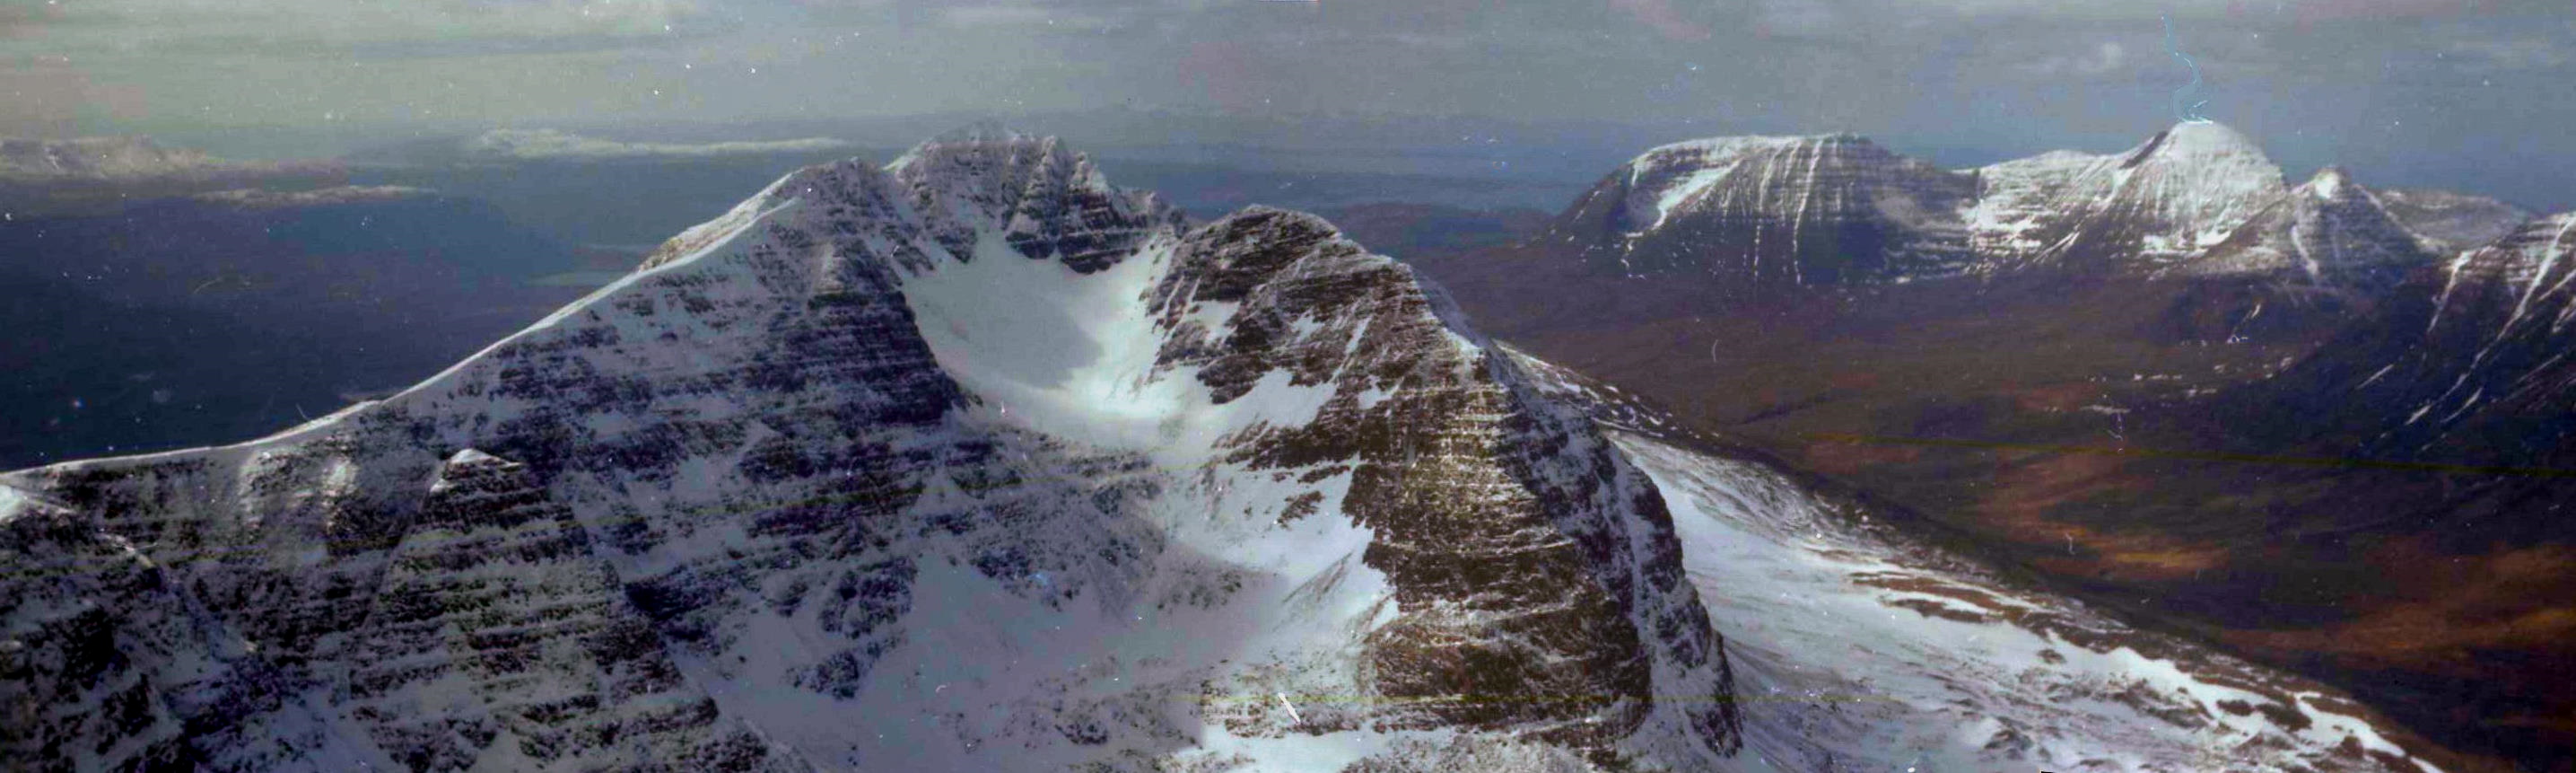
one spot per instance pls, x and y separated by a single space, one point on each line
1809 210
1836 208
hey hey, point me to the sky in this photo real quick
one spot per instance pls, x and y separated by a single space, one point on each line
2416 91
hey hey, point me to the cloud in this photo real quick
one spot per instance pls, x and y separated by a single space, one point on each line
997 15
254 27
2105 57
2299 12
2507 55
49 96
549 144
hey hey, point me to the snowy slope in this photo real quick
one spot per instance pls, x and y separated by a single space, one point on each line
972 462
1862 652
1861 649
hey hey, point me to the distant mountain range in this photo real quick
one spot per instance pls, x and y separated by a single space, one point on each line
2198 199
108 158
94 175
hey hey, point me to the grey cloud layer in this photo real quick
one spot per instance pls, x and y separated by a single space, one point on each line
549 144
2336 74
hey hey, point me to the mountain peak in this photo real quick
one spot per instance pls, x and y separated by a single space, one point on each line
2329 230
1049 200
2207 134
2195 142
988 142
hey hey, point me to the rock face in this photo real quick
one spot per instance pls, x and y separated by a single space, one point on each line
969 462
2198 200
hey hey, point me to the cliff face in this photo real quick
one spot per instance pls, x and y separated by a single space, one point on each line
969 462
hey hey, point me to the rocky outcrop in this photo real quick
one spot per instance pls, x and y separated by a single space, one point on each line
1533 569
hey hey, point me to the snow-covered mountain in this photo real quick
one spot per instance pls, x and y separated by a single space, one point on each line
971 462
2328 232
975 462
2184 190
2196 200
2311 260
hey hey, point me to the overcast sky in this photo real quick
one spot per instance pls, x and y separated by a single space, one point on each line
2415 89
